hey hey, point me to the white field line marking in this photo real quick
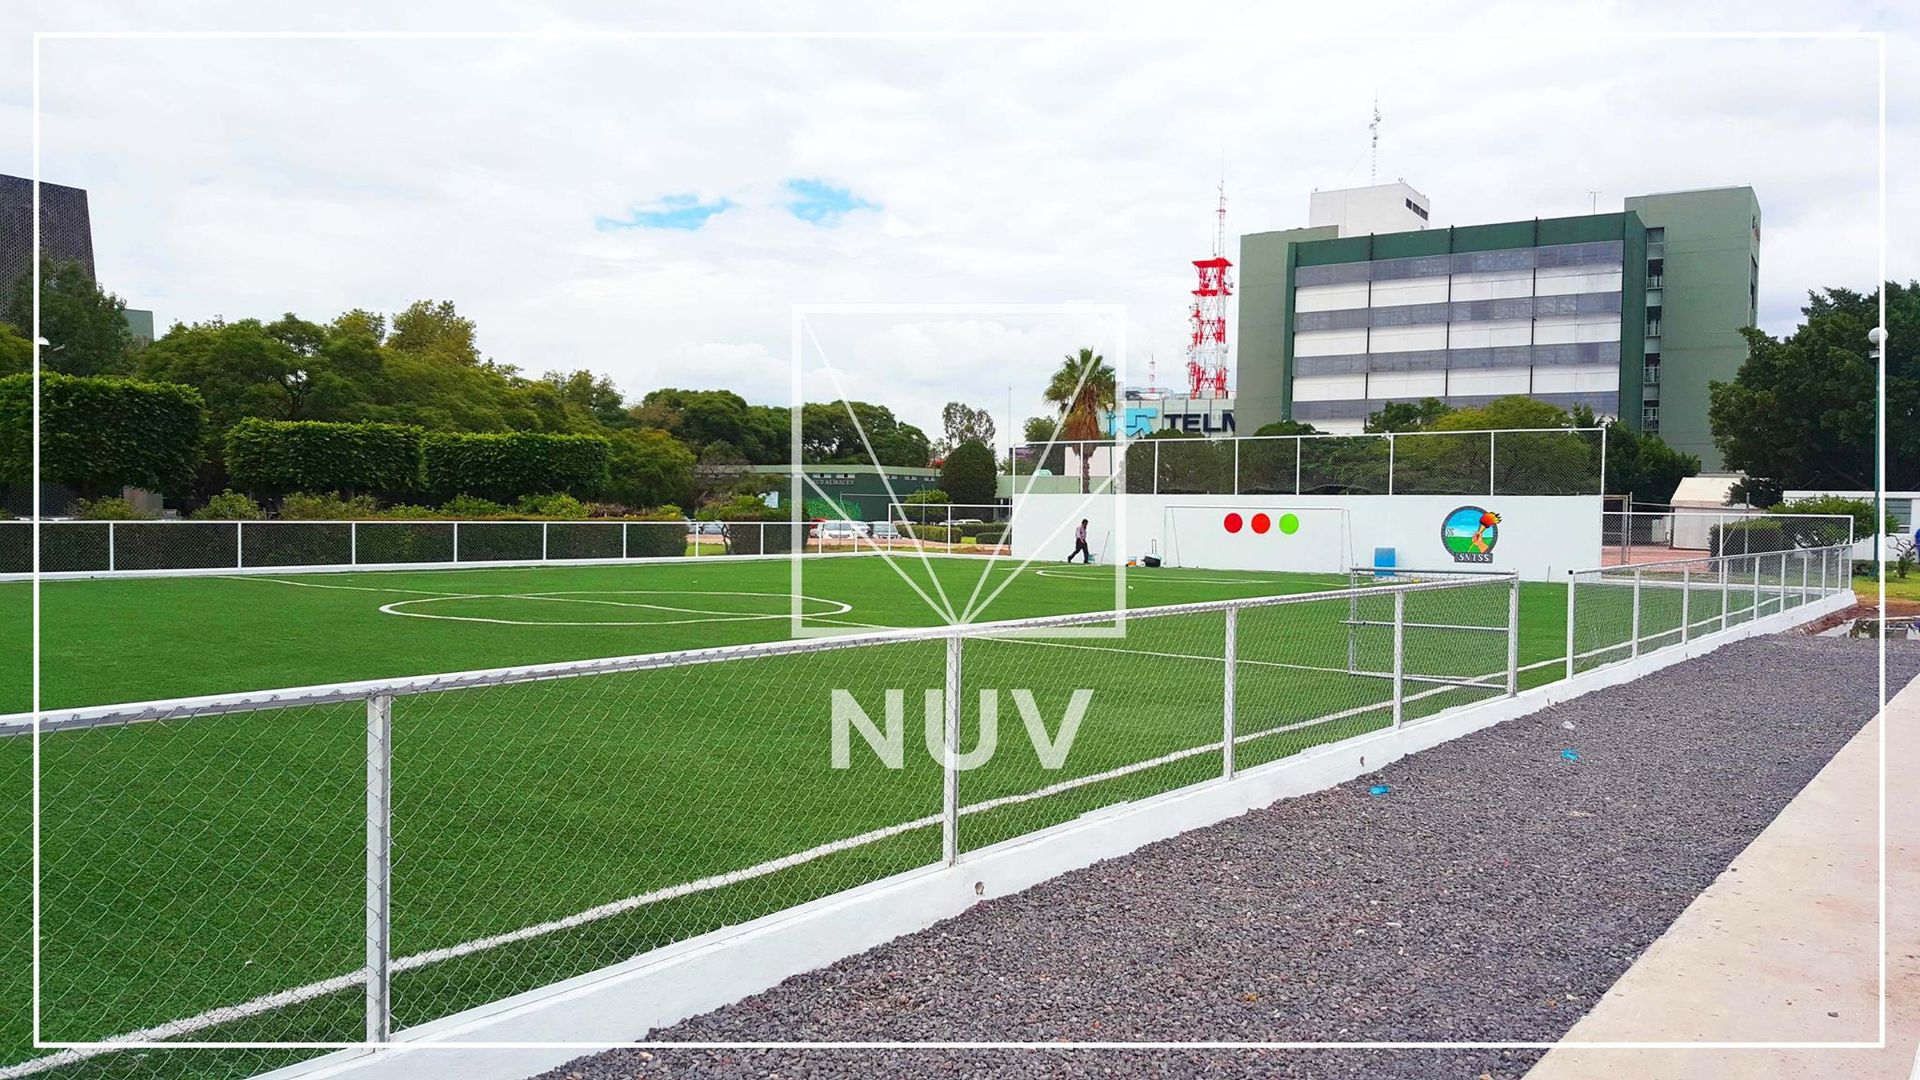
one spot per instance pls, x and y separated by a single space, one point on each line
267 1003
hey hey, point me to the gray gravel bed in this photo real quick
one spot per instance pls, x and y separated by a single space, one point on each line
1494 894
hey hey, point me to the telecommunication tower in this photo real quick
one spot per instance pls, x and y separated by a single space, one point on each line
1207 350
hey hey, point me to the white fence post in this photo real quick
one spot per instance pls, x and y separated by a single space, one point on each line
1389 462
1725 596
1572 580
1686 603
1227 721
1156 470
1513 637
1756 589
1236 466
1489 463
1783 582
950 776
456 541
1636 612
1802 557
1297 440
111 553
1399 656
1353 620
544 526
624 526
240 545
353 543
379 864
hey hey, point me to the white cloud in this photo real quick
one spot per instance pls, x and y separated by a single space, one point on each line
243 178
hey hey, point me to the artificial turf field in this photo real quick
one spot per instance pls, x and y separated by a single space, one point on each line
202 863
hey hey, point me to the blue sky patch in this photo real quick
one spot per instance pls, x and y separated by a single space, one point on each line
684 211
821 203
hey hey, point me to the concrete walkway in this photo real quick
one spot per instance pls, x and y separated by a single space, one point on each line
1783 947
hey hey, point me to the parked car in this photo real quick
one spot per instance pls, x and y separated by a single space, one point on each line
965 521
883 530
840 530
709 528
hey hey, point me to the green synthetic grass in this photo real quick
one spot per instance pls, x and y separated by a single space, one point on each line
199 863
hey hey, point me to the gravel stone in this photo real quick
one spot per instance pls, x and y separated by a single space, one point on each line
1494 894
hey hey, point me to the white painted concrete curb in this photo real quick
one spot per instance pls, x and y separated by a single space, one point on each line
622 1003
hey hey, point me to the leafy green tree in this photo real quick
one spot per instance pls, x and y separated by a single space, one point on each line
650 468
590 395
969 473
1186 462
1801 409
1287 427
85 326
1407 415
696 417
435 328
841 432
1083 391
960 422
16 351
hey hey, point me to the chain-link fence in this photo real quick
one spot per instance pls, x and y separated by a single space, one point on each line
328 866
1618 613
962 528
1550 461
1666 533
109 547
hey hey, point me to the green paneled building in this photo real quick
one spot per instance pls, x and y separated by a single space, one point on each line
1631 313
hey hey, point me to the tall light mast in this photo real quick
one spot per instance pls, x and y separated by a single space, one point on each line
1207 347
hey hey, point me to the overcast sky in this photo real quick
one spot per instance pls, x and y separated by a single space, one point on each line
654 209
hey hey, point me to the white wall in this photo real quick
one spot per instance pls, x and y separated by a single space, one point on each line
1540 537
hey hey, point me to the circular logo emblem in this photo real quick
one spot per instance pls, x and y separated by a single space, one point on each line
1470 533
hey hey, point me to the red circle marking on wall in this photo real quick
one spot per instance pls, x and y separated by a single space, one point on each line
1261 523
1233 523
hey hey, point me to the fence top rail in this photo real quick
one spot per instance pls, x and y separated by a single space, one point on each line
1676 564
399 521
52 720
1065 442
1725 511
1456 572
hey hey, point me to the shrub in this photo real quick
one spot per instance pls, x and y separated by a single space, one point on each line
508 466
408 512
300 506
933 534
275 456
990 533
472 506
557 506
111 508
229 506
1861 510
102 434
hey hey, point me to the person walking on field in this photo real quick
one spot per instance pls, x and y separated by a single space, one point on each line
1080 544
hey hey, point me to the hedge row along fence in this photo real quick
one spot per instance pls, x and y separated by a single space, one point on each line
275 457
270 457
100 434
507 466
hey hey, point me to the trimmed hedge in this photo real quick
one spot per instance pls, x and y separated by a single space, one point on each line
101 434
273 457
505 467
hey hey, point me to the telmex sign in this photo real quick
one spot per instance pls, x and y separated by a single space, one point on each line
1201 416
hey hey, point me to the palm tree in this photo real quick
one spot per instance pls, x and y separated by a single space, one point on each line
1083 391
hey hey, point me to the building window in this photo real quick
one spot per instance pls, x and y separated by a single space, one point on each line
1650 417
1653 320
1418 210
1656 269
1652 371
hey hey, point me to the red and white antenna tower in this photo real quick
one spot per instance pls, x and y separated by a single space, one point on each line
1207 351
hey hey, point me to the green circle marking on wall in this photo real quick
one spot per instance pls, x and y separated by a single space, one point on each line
1289 524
